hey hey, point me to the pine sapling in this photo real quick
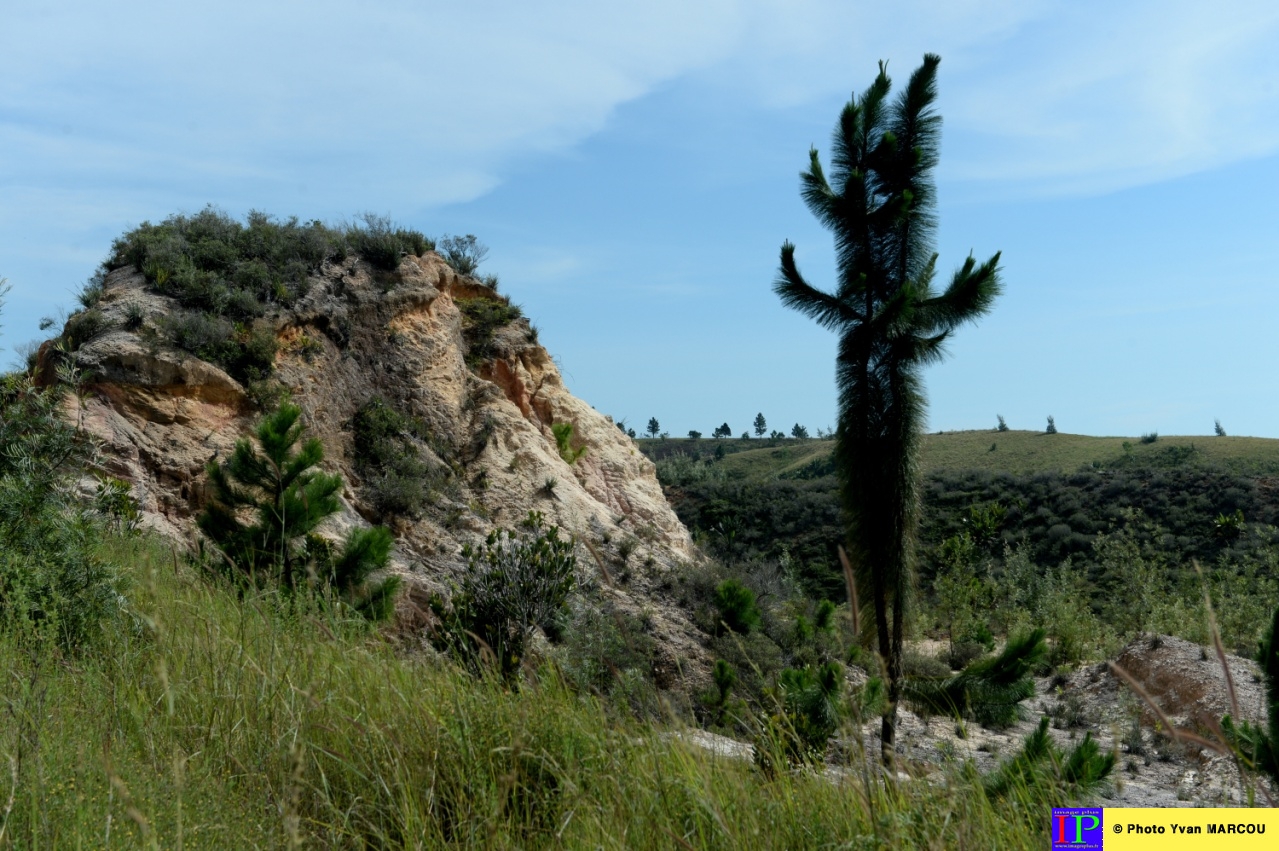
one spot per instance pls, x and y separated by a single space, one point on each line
1258 746
277 481
989 691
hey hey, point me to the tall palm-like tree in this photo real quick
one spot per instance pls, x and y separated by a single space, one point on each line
880 204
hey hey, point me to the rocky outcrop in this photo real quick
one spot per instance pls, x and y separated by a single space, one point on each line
162 415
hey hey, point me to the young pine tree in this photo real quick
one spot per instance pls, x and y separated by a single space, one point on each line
880 203
277 481
1259 746
761 425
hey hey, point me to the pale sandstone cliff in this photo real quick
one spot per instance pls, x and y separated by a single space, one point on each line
162 415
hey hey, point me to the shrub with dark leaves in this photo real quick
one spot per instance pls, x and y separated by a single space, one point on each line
515 582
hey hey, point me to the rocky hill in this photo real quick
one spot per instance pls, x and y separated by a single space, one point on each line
471 395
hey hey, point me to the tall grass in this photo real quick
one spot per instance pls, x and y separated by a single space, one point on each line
216 721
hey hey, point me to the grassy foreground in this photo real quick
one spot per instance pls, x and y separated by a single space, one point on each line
221 723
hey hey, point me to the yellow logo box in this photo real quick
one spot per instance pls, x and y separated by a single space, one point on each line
1174 828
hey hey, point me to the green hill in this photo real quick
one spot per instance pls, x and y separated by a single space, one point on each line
1014 452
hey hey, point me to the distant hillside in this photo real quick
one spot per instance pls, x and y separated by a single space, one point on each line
1056 493
1016 452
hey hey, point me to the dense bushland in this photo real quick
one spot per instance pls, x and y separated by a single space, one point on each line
1093 555
56 587
227 276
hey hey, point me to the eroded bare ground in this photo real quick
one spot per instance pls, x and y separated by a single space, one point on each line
1151 769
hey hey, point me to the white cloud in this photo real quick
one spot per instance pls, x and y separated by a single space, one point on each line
426 100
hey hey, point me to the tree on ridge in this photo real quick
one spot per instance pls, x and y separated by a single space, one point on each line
891 323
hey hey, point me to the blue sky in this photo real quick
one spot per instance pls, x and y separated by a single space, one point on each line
634 170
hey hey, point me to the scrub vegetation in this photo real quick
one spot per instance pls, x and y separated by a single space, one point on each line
228 277
1065 537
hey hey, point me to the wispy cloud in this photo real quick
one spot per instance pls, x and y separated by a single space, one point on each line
423 100
1094 97
423 104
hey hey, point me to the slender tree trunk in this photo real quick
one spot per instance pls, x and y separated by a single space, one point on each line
888 749
888 728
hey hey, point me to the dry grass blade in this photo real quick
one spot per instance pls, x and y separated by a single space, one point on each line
13 792
681 840
1175 732
599 560
851 582
1216 644
1230 680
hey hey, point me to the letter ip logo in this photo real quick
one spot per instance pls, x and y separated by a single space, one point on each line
1077 828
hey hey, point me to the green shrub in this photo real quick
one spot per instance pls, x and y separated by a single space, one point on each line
83 327
1150 437
113 500
1229 526
1041 767
384 245
736 606
681 469
920 666
718 701
756 659
134 317
93 290
1258 746
989 690
481 318
464 254
54 582
564 442
396 477
824 618
606 651
348 572
246 353
204 335
810 710
514 583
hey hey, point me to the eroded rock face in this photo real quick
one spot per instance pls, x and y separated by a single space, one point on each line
162 415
